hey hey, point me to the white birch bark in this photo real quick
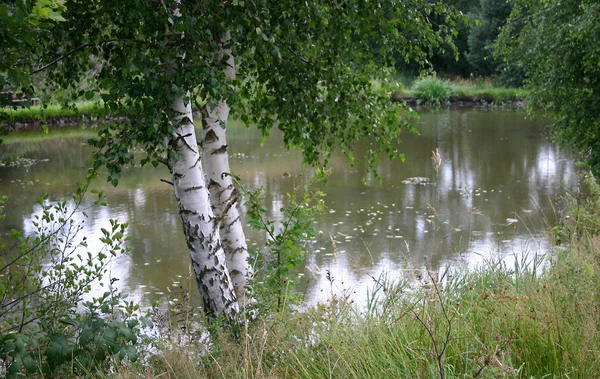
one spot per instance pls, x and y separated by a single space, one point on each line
223 193
199 224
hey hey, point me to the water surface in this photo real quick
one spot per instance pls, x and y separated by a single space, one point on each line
494 195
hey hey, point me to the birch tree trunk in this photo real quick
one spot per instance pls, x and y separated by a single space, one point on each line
222 191
199 224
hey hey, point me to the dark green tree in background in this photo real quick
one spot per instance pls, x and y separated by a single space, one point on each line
557 43
491 16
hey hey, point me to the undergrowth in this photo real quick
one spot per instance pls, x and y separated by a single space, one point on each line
538 317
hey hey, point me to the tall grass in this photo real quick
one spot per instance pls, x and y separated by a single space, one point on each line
534 318
431 90
40 112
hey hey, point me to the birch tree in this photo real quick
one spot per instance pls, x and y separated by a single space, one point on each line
303 67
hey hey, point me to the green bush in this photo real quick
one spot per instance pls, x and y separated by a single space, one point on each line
48 328
431 91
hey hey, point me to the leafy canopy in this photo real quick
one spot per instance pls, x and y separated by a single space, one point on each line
22 25
556 42
303 67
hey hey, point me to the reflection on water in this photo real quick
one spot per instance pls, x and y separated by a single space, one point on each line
498 178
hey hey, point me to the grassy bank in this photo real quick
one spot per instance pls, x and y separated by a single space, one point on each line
52 112
429 91
534 318
433 91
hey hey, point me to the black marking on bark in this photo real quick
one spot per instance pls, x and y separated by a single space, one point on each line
211 137
194 188
220 150
212 184
233 222
239 249
234 272
178 175
187 212
198 162
205 115
182 138
203 272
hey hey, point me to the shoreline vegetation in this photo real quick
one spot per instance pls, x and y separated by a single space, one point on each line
538 316
535 317
426 92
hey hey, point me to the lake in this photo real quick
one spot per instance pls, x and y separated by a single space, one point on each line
496 195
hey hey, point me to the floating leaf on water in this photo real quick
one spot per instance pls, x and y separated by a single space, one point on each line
417 180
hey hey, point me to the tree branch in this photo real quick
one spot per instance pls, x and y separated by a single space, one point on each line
68 53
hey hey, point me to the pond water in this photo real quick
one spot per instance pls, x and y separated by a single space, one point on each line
495 196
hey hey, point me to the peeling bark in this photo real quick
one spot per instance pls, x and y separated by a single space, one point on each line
200 226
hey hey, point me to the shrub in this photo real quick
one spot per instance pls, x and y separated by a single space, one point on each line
47 326
431 91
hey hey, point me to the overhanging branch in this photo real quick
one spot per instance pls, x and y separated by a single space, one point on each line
73 50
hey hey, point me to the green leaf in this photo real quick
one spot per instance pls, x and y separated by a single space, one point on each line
30 364
14 369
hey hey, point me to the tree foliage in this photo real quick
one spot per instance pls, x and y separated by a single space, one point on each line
556 43
302 67
22 25
305 68
491 16
50 325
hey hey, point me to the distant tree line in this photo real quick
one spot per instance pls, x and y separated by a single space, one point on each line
473 41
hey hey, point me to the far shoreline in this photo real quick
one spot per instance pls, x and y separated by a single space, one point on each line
33 117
